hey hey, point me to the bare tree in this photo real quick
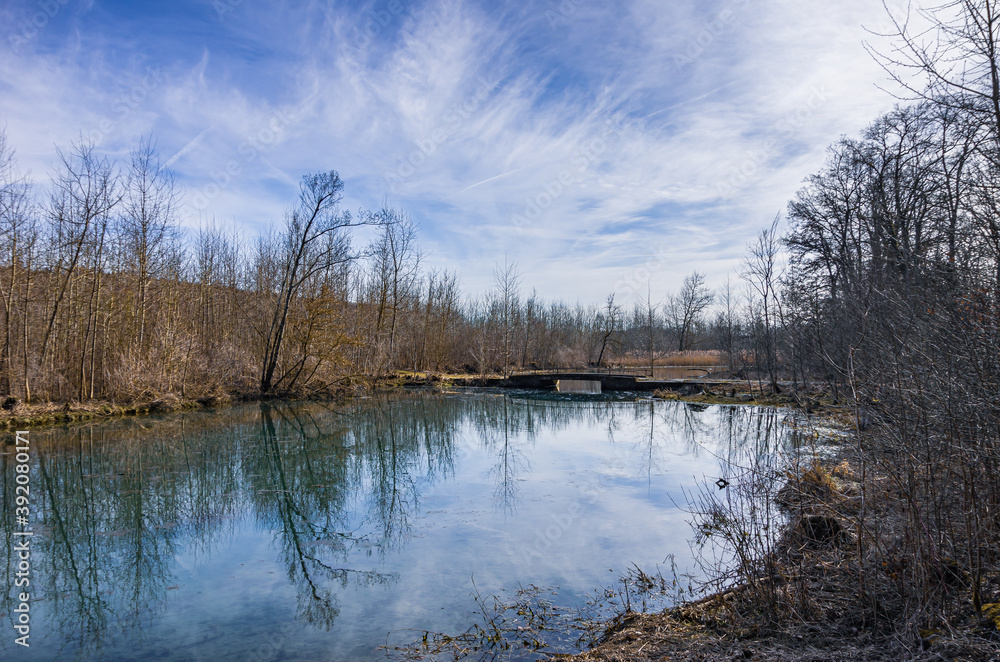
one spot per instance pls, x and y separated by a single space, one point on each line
761 270
507 282
686 307
314 240
85 191
726 322
147 227
648 316
958 57
18 237
609 323
396 265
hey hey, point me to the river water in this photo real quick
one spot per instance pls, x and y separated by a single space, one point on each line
316 532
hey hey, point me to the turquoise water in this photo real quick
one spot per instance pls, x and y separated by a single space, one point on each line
313 532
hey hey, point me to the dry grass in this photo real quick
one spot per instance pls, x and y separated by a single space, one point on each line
665 359
818 615
22 416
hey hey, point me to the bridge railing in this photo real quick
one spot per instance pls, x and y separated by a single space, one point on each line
625 371
629 372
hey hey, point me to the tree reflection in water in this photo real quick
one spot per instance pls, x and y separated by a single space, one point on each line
117 506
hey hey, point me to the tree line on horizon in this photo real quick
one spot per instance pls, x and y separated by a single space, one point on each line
105 296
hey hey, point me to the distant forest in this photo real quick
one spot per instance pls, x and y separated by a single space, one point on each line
106 297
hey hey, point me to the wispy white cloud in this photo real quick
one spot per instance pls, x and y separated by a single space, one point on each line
571 141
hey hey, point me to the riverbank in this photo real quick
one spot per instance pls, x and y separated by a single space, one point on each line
20 415
805 603
16 414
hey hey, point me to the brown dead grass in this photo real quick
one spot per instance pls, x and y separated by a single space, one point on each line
819 616
24 416
688 358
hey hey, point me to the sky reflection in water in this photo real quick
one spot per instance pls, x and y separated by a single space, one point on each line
308 532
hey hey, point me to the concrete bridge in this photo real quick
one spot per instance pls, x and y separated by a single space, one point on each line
609 381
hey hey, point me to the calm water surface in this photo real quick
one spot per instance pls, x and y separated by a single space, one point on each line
309 532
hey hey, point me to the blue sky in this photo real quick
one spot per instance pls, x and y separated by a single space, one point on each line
600 145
